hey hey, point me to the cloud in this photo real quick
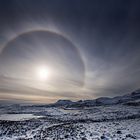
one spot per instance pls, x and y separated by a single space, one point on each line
106 34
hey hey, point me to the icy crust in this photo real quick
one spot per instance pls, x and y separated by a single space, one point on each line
100 113
110 130
116 122
18 117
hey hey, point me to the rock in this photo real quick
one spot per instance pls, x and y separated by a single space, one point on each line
84 138
82 133
103 137
130 136
66 136
119 132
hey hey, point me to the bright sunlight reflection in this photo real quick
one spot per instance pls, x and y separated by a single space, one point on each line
42 73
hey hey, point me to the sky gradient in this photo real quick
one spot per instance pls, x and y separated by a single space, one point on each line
91 48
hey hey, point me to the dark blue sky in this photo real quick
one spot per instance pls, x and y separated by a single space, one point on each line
93 47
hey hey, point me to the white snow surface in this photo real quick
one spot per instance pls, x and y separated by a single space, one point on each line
111 122
18 117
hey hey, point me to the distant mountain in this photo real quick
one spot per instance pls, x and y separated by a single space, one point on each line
63 102
100 101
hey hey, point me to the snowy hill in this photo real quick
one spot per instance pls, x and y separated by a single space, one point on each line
100 101
63 102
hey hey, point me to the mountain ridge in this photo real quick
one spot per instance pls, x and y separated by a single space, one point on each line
135 95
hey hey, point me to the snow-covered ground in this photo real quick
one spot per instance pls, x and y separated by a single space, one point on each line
18 117
110 122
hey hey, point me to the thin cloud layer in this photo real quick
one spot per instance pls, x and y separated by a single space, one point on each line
90 47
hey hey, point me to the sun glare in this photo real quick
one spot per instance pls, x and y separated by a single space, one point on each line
42 73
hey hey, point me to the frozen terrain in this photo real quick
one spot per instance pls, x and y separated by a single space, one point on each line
18 117
101 119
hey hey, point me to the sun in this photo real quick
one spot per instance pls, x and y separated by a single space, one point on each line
42 73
